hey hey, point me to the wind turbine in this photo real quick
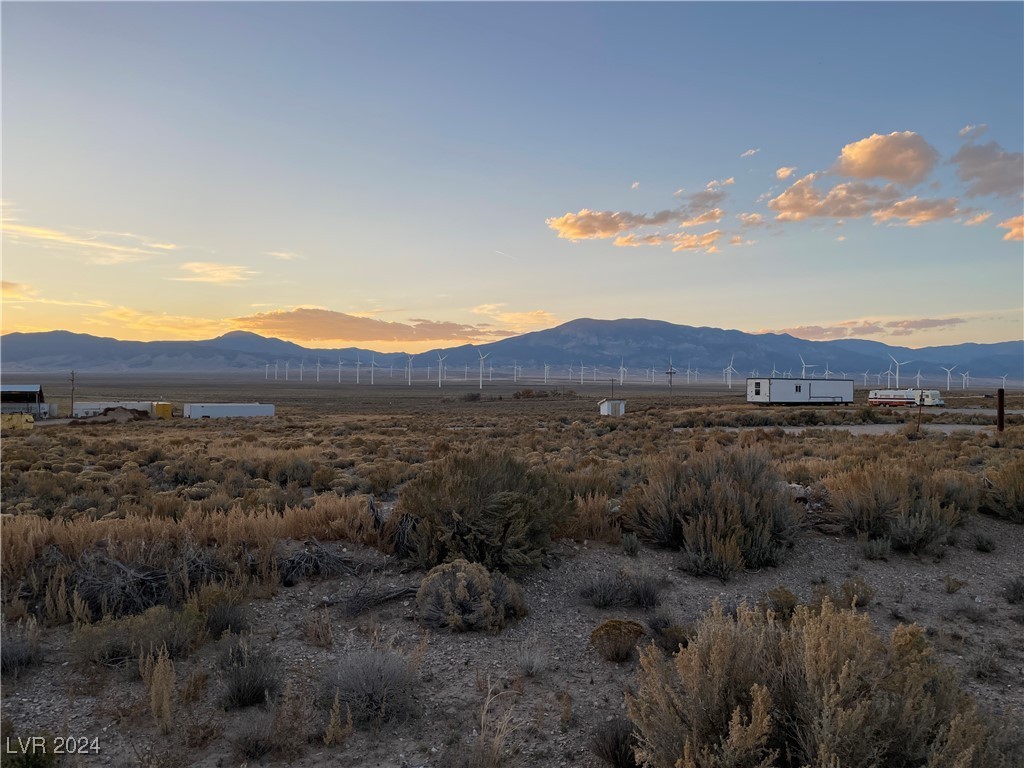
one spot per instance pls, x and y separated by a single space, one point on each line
888 376
408 369
774 371
266 372
440 368
595 372
359 364
1004 377
898 364
696 375
949 374
339 370
804 366
302 367
570 371
622 371
967 379
287 367
730 371
373 365
865 375
515 371
275 369
582 368
546 369
827 372
918 378
318 370
670 373
482 358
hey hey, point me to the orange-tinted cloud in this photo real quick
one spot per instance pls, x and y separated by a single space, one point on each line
848 329
802 200
914 212
750 219
1015 227
210 272
519 322
970 132
978 219
680 241
92 249
903 157
989 170
17 291
785 172
594 225
316 324
132 323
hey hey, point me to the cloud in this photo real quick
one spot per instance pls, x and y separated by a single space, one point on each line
635 185
841 238
978 219
635 241
785 172
91 248
1015 227
916 212
680 241
17 291
751 152
751 219
848 329
989 170
594 225
802 200
317 324
972 131
712 216
903 157
210 272
156 324
285 255
519 322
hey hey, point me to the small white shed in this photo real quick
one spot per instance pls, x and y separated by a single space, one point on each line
612 407
226 410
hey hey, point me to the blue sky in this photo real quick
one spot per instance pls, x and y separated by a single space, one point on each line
404 176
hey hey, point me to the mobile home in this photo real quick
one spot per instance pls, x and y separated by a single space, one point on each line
800 391
226 410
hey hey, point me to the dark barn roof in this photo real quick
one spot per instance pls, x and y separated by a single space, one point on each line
21 393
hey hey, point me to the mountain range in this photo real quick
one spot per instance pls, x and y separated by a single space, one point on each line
638 344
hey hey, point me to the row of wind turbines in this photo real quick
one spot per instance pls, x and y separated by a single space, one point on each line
692 374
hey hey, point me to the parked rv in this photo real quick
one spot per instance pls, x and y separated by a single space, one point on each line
893 397
226 410
800 391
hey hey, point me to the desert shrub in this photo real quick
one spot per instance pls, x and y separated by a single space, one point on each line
593 519
530 659
1015 590
726 509
466 597
631 544
612 743
250 675
488 508
1004 496
876 549
604 590
375 686
223 610
313 559
113 642
821 690
667 635
984 543
19 646
783 602
615 639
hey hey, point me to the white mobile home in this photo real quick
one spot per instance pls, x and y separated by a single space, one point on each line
800 391
226 410
612 407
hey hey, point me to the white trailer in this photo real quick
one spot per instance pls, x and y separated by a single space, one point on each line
226 410
800 391
895 397
612 407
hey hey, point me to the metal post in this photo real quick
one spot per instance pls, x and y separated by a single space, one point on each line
1000 408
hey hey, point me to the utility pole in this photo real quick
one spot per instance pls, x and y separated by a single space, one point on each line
72 394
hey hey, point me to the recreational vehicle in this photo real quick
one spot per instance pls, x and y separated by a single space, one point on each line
895 397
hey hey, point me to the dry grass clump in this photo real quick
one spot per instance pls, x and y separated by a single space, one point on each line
372 687
726 509
594 519
613 743
466 597
608 590
1004 496
488 508
19 645
616 639
250 675
113 642
822 689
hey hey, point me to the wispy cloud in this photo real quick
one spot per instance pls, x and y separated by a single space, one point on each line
750 152
520 321
1015 227
751 219
285 255
904 157
990 170
970 132
848 329
802 200
128 322
914 211
90 248
635 185
210 272
325 325
20 293
978 219
785 172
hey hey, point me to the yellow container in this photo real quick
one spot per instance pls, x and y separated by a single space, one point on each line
17 421
162 410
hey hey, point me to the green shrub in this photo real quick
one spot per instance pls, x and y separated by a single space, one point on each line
820 690
466 597
489 508
726 509
115 641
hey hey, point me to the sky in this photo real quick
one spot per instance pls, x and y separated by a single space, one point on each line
410 176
